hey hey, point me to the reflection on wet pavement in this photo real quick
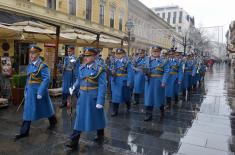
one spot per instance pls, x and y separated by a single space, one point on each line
204 125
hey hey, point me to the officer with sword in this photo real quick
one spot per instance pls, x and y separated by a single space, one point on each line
91 84
37 102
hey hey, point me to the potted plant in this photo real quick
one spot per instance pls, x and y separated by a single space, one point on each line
18 83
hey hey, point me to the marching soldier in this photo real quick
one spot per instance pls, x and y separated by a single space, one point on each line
157 72
90 114
139 76
100 61
175 77
69 74
188 71
199 72
122 80
178 88
37 102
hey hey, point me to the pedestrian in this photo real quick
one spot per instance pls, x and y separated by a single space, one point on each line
37 102
91 83
69 74
157 72
122 81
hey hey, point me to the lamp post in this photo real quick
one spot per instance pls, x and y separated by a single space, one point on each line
129 26
173 42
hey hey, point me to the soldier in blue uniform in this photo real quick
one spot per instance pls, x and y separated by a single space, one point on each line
188 71
69 74
139 76
157 72
100 60
37 102
175 77
178 88
90 114
122 81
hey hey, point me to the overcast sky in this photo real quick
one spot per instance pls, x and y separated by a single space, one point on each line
206 12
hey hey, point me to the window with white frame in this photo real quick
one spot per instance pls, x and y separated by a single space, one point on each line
72 7
51 4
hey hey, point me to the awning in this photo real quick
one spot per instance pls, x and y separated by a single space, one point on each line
8 32
76 37
34 32
37 32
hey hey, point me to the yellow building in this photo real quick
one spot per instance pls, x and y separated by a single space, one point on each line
106 16
111 14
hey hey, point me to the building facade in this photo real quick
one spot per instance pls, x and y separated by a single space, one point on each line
149 29
177 17
230 41
106 16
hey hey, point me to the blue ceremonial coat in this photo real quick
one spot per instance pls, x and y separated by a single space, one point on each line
172 81
91 84
198 73
122 81
178 87
158 72
69 73
139 76
100 62
38 79
188 74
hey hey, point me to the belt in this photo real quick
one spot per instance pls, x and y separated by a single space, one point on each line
121 74
156 75
173 73
91 80
35 82
88 88
68 69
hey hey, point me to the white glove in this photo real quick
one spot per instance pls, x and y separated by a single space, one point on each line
99 106
71 89
72 60
39 97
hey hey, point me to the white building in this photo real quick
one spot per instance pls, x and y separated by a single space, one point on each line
149 29
177 17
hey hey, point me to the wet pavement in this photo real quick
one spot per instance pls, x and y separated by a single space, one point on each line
204 125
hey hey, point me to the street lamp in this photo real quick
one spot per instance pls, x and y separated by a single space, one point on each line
173 42
129 26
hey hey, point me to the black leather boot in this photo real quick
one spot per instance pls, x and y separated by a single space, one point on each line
53 122
100 136
162 110
24 130
115 109
64 101
148 114
168 102
74 140
137 99
176 99
128 106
